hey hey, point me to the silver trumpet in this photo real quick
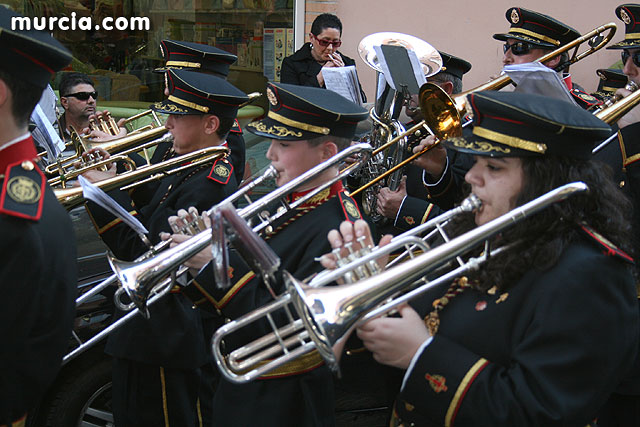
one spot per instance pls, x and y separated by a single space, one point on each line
328 315
145 280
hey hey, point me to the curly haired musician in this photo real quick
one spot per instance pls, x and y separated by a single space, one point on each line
542 333
306 126
38 275
157 361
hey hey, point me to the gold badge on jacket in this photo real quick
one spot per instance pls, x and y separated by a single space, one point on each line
23 190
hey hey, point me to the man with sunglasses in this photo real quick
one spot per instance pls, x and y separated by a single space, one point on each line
78 97
533 35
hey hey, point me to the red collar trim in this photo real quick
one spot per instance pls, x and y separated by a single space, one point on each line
22 150
568 82
318 199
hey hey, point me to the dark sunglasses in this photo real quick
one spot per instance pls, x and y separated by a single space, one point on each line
635 57
83 96
517 48
325 43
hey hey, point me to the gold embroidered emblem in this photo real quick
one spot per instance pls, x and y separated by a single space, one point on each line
493 290
625 17
502 297
437 382
23 190
481 146
230 272
515 17
170 108
221 171
280 131
320 197
273 99
351 209
409 220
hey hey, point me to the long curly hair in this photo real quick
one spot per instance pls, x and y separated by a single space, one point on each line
540 239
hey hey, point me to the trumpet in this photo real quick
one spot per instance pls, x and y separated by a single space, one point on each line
615 111
328 315
144 280
443 114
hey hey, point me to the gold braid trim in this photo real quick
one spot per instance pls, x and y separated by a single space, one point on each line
462 388
536 35
298 125
183 64
511 141
189 104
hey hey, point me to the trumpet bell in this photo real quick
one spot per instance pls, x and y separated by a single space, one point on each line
427 55
440 111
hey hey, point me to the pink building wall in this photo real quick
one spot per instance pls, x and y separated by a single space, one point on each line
464 28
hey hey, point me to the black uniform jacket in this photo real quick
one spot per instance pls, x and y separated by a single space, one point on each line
302 69
301 392
38 282
172 337
547 351
235 140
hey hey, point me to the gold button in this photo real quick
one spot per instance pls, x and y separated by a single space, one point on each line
621 184
269 229
27 165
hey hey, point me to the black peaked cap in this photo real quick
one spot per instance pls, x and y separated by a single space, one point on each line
32 55
196 93
630 15
454 65
536 28
303 112
610 80
510 124
195 57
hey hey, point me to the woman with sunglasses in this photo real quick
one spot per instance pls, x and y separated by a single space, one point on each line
304 67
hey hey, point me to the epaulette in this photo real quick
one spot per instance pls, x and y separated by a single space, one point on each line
23 191
602 242
584 100
235 128
221 171
349 207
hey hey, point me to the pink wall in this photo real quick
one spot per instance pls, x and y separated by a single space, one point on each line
465 27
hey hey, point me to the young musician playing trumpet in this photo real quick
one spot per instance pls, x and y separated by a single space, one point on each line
542 333
307 126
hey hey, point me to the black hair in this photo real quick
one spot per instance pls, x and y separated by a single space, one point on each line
325 20
69 80
25 96
225 126
341 142
541 239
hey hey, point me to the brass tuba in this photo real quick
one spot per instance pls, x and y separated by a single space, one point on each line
328 315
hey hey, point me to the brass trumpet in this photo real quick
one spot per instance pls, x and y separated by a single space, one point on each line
328 315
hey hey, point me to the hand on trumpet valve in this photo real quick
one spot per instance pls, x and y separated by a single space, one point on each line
433 161
389 202
184 225
394 340
350 242
93 156
96 133
633 115
352 159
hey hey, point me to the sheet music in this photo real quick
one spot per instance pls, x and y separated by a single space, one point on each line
534 77
416 67
95 194
344 81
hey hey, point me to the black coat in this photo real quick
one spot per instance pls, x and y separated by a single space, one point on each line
38 282
173 336
299 396
547 351
302 69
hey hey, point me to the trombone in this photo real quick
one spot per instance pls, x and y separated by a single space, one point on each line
615 111
443 114
73 197
328 315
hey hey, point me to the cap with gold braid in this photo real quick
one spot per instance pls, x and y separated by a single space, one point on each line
610 81
196 93
195 57
510 124
630 15
302 112
537 29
